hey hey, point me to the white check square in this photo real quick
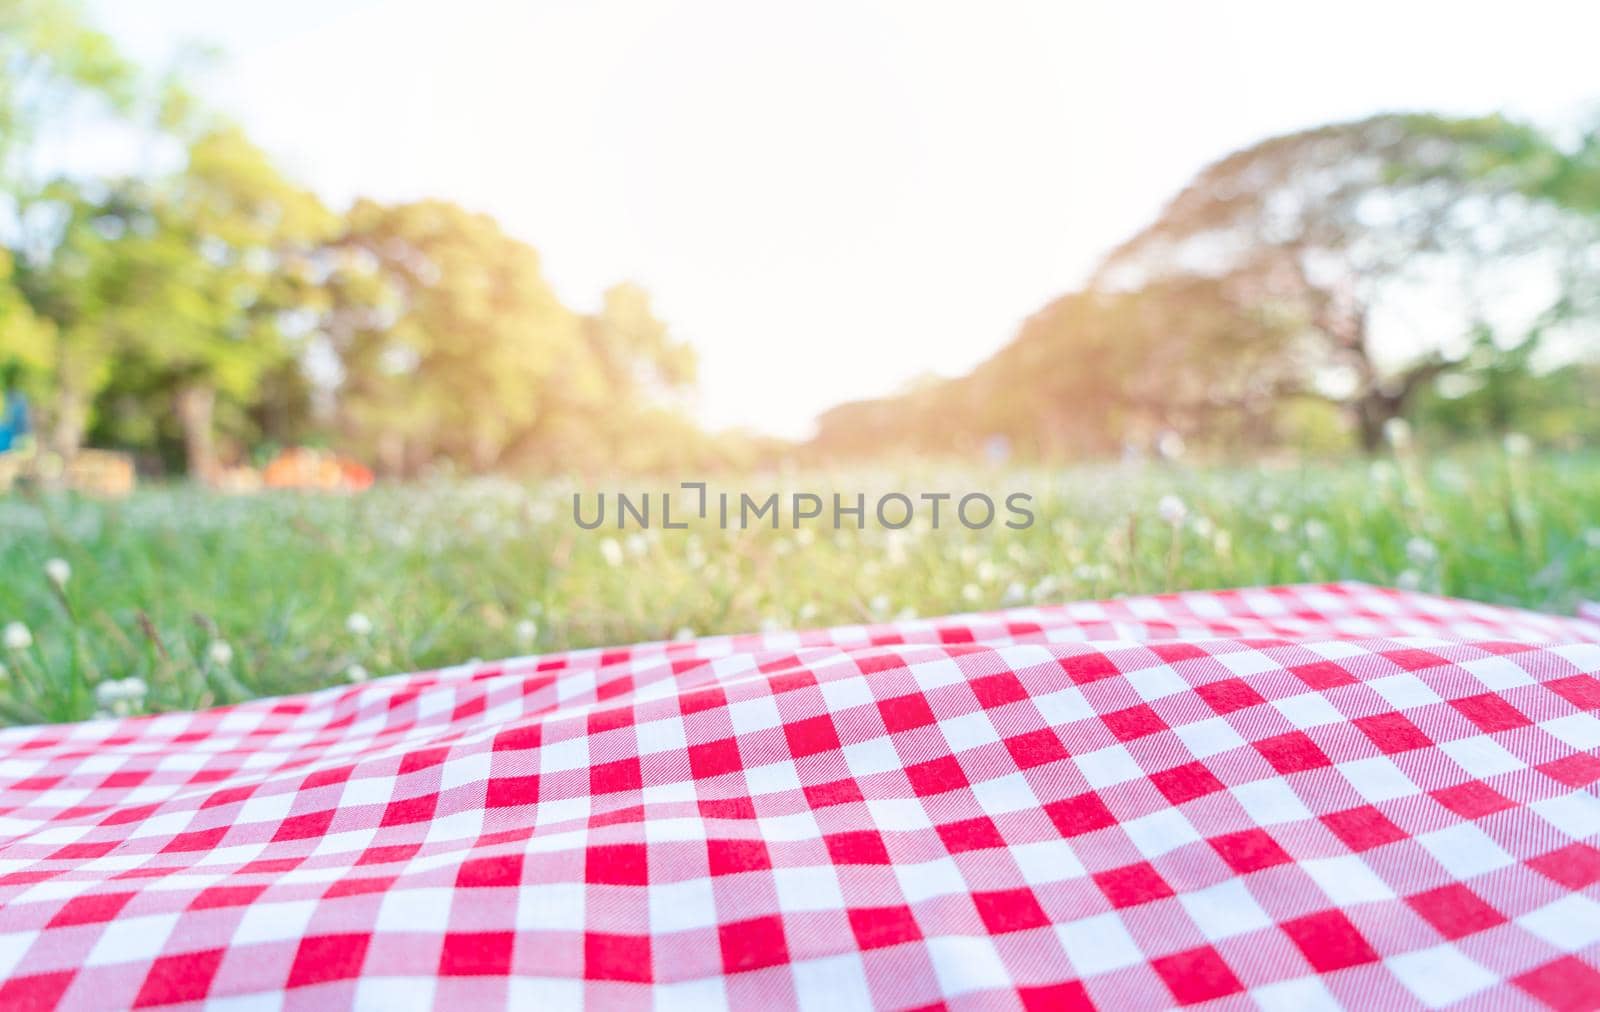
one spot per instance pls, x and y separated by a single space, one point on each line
1224 910
1107 766
682 906
551 906
1440 976
1098 944
807 888
133 938
1347 880
1377 779
1465 850
274 922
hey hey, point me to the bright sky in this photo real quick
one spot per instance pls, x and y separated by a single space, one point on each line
831 198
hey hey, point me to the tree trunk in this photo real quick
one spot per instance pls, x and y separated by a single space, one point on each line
1379 404
196 404
70 422
1374 410
391 452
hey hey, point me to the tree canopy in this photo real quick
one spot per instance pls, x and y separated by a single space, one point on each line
200 308
1321 280
159 310
1379 244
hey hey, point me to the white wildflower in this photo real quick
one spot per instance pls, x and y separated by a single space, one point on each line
637 545
1398 432
1591 537
17 636
1172 510
1170 445
59 571
121 696
358 624
772 624
971 594
1280 523
1518 445
880 604
527 631
684 634
1015 594
1421 552
1409 579
355 674
220 653
611 552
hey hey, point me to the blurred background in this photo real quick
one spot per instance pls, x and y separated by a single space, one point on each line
1241 293
536 237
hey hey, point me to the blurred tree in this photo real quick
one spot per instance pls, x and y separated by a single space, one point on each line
445 332
25 338
84 289
609 395
1093 373
634 347
234 280
1574 180
55 72
173 291
1497 390
53 67
1344 226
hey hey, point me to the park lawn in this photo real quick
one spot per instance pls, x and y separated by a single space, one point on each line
210 598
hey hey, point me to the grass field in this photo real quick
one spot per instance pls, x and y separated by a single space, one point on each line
206 599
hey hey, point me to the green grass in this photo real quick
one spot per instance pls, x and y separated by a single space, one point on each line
448 572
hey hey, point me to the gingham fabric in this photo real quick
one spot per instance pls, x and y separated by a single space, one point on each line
1297 798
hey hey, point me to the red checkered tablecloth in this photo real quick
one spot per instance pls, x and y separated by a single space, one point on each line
1297 797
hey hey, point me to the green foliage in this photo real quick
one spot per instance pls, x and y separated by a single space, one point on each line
26 338
453 348
1342 225
51 63
160 311
610 399
1498 391
1245 316
446 331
